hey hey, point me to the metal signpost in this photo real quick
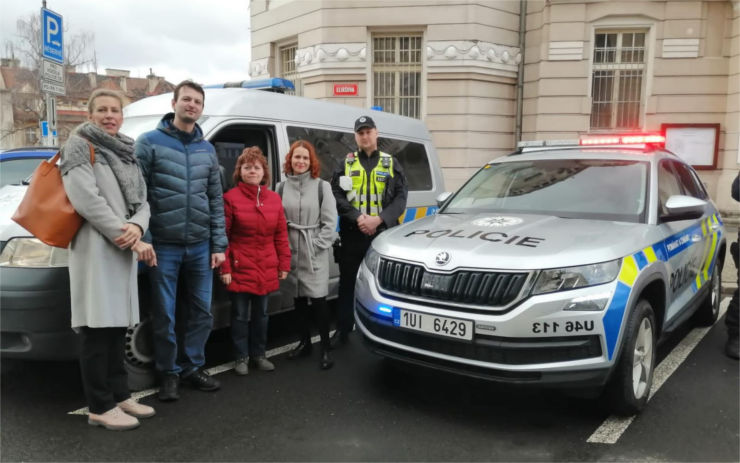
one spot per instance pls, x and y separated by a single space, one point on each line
52 67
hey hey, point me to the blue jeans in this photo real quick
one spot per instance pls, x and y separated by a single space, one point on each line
193 261
250 337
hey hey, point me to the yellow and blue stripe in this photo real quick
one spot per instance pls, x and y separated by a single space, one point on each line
710 251
413 213
633 264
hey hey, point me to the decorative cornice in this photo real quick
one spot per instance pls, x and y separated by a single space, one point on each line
442 57
258 68
450 56
331 54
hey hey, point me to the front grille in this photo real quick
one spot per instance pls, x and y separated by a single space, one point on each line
493 349
464 286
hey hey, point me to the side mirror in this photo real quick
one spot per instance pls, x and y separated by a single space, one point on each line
682 207
443 197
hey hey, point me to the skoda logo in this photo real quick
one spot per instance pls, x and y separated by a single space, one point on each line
362 119
442 258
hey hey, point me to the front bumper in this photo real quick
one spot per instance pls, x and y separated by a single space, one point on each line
35 314
504 346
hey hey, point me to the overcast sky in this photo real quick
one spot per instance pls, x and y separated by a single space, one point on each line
207 41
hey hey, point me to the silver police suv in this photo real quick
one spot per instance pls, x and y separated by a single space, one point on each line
558 264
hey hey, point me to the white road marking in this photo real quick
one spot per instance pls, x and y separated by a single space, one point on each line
211 371
612 429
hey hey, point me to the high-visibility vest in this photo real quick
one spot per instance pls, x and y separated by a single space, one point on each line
379 177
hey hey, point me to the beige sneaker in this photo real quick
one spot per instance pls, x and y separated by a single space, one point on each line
114 419
134 408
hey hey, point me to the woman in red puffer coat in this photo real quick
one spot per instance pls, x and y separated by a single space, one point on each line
258 256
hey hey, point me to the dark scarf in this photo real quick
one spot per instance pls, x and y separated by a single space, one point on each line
118 153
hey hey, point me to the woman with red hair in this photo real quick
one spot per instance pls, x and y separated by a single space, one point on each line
257 258
311 212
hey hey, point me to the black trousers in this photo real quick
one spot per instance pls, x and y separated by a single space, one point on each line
104 377
732 319
320 309
354 246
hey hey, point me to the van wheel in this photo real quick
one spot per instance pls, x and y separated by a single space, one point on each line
630 386
139 359
708 311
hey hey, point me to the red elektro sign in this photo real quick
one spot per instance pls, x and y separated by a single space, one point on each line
345 89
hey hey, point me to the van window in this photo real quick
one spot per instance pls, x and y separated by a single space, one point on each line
231 140
332 147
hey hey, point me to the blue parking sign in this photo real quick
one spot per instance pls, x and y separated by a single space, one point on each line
51 36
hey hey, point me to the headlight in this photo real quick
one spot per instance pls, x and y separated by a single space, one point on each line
371 260
30 252
562 279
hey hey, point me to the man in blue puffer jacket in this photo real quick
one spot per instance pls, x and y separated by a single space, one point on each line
188 233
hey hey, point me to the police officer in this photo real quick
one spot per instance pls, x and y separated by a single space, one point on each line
732 347
370 190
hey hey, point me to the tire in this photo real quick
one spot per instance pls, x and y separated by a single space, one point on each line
139 359
708 311
629 388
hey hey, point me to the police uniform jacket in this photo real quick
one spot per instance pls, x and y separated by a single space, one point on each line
394 196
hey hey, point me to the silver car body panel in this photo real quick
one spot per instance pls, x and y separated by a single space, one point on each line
678 256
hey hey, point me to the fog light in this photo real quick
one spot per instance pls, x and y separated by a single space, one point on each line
590 303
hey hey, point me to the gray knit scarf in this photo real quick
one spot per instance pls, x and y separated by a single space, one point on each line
116 151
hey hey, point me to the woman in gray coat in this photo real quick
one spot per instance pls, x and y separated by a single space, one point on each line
311 212
110 194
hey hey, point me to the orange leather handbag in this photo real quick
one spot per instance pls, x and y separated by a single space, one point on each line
45 210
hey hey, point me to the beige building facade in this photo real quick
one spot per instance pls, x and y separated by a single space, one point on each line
483 76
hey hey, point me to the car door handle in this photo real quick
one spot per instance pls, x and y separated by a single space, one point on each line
695 238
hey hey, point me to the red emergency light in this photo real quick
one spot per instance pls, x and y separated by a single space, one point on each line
629 139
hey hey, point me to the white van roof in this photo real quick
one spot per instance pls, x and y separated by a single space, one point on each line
241 102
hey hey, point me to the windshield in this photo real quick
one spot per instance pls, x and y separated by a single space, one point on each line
15 171
582 189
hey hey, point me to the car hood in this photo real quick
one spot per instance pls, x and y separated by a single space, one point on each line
10 198
511 241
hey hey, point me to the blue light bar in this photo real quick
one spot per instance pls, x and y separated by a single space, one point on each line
385 309
274 84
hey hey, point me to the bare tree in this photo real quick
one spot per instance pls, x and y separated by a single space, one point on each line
79 49
26 99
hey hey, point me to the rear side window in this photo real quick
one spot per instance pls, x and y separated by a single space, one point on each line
691 185
668 185
332 147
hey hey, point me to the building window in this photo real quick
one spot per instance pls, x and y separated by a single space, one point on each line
618 78
397 74
31 136
288 67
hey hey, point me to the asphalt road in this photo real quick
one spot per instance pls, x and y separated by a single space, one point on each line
373 410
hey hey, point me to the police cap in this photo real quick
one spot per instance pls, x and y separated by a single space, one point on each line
364 122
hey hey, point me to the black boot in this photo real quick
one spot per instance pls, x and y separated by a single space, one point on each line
732 347
326 361
303 349
338 339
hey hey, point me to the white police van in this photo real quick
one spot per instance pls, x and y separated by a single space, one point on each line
558 265
34 280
